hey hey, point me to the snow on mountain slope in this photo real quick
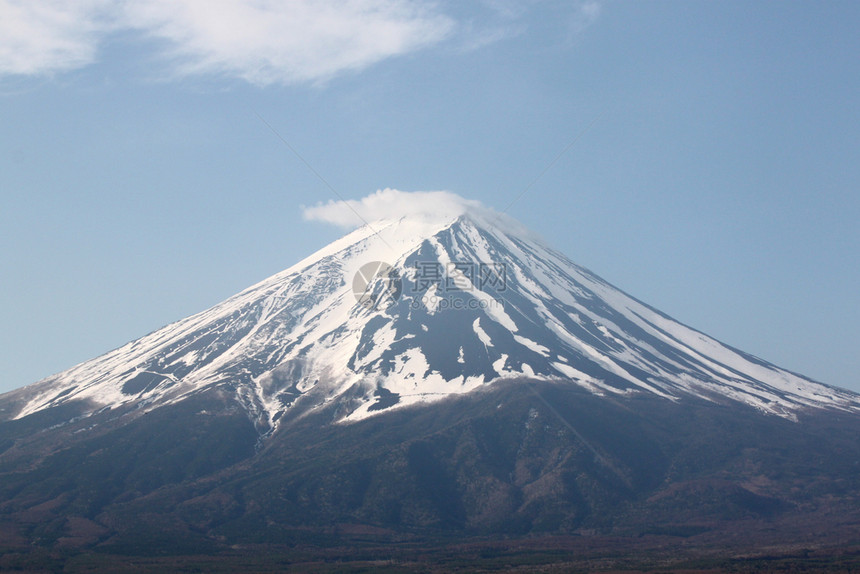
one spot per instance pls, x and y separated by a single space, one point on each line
470 298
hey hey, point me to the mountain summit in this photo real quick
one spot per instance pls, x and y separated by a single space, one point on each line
439 388
444 300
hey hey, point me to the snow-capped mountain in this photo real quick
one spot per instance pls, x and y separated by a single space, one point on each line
278 419
413 309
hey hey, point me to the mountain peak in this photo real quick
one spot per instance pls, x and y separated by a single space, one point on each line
425 210
436 296
391 205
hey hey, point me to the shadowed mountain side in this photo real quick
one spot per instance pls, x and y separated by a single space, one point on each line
521 458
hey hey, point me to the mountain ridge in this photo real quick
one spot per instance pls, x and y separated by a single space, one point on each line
525 310
435 390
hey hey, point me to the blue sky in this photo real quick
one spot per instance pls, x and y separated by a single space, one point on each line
714 175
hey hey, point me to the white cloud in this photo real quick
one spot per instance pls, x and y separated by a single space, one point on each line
271 41
393 204
260 41
39 37
422 206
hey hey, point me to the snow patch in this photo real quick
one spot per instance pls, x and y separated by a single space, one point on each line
482 335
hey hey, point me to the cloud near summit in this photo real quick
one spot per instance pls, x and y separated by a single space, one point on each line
393 204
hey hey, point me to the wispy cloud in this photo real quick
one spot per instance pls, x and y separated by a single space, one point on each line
41 37
260 41
492 21
423 206
270 41
392 204
584 15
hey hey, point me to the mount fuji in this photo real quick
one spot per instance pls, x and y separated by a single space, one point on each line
439 369
468 297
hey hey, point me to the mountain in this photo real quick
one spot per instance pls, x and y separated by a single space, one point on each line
444 375
474 303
